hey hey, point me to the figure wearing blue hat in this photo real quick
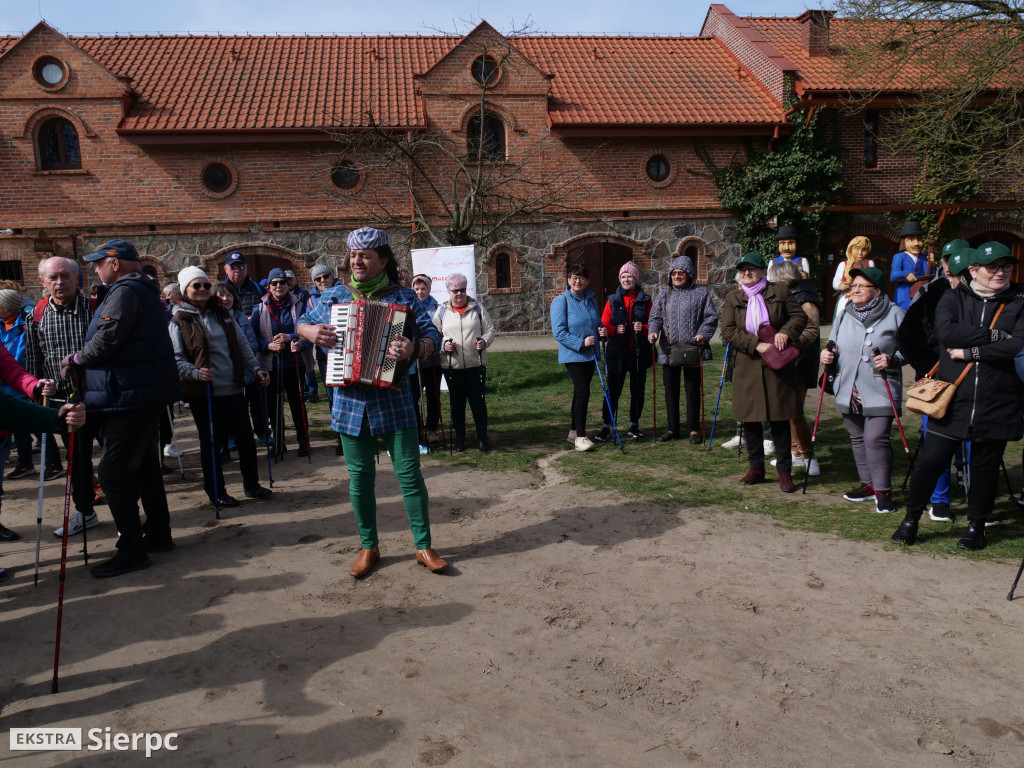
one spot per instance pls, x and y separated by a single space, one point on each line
909 265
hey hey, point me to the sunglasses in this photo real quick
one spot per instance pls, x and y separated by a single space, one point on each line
236 266
278 282
456 290
319 278
200 286
993 268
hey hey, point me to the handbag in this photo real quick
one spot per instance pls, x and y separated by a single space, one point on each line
774 358
684 356
931 397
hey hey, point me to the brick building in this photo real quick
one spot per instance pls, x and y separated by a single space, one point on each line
192 146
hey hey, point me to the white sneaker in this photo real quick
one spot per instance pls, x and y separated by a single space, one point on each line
584 444
940 513
572 436
75 524
769 448
736 442
172 450
424 449
798 462
813 469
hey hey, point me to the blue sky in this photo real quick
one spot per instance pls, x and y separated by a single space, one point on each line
636 17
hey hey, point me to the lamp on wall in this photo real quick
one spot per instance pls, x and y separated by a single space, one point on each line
6 231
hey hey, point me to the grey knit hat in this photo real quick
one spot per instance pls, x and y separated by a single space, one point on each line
320 269
10 300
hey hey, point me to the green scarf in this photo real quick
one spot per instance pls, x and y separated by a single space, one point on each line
371 286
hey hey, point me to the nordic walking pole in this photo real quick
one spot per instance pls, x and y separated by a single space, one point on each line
1014 587
913 460
279 400
451 435
654 381
718 400
268 432
607 400
1006 476
305 418
64 552
814 435
703 427
174 440
39 509
906 449
213 450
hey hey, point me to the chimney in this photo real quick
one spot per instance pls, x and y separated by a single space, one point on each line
814 31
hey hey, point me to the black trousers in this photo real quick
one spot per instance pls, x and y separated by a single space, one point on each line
617 372
581 374
691 385
467 384
292 378
753 433
257 413
130 473
81 467
230 417
936 453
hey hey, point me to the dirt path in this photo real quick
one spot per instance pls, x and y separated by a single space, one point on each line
574 629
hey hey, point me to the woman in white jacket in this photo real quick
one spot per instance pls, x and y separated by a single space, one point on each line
467 332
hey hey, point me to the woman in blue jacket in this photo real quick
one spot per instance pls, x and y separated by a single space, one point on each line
576 324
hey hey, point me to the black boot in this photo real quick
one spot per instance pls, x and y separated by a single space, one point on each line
974 539
907 532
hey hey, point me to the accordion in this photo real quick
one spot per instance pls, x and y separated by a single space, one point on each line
365 329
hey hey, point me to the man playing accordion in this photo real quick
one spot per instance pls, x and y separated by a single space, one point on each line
361 414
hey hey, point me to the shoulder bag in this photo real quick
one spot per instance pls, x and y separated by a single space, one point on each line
774 358
931 397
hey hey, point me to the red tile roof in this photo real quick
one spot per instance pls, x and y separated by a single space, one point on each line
647 81
236 83
831 73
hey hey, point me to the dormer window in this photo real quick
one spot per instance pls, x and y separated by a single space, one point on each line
485 138
57 146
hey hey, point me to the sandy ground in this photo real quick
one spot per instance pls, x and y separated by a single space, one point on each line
573 629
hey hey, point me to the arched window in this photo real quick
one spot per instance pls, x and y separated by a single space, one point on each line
485 139
503 270
58 145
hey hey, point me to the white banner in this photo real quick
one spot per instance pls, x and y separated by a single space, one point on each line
439 263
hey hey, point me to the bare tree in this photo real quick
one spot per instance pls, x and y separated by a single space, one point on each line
462 187
953 75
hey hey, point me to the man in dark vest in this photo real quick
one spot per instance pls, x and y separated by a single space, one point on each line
128 378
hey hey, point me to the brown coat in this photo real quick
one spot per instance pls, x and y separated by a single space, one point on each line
758 392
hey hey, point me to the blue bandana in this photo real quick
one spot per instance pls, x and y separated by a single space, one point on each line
366 238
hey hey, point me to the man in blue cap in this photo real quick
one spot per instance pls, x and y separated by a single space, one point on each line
238 275
128 378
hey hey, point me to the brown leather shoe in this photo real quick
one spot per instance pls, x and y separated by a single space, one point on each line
430 559
364 563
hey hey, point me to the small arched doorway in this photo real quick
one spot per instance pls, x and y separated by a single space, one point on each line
603 260
260 258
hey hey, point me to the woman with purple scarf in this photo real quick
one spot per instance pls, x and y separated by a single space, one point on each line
758 393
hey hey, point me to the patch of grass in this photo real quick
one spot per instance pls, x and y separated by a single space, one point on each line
528 400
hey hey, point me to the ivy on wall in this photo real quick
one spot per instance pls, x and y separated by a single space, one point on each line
786 183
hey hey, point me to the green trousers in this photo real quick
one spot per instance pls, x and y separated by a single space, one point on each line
360 457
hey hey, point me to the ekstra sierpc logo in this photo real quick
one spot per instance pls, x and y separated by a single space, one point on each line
70 739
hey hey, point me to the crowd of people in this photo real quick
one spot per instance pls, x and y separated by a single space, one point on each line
235 350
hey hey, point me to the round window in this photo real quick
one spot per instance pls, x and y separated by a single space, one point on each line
49 71
484 70
217 177
345 175
658 168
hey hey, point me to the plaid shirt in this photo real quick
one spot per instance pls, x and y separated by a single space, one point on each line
387 410
59 333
